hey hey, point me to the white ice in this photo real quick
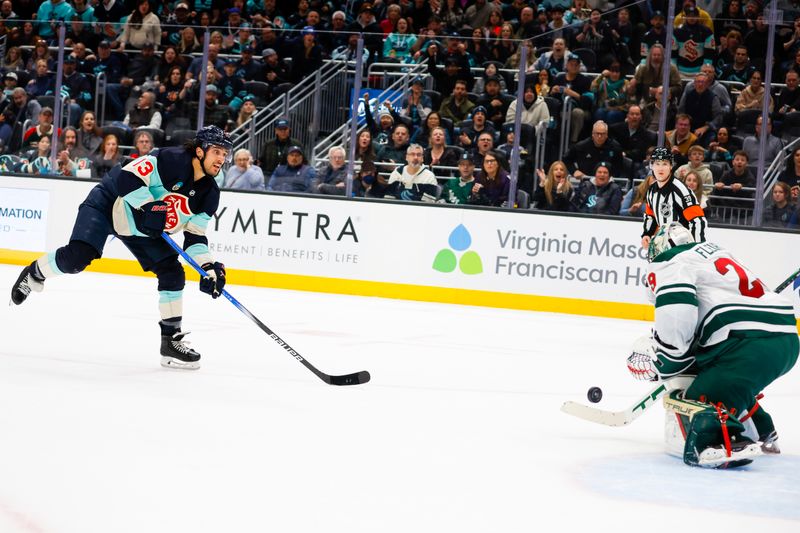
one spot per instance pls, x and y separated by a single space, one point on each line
458 431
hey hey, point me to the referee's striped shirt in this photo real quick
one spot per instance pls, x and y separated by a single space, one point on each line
673 202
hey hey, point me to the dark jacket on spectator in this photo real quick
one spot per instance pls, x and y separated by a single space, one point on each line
604 200
636 143
585 156
274 153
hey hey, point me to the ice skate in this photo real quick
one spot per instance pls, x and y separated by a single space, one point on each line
769 443
27 281
742 453
176 354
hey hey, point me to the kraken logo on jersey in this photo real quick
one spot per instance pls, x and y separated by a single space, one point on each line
178 205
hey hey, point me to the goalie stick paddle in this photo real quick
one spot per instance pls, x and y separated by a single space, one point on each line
346 379
626 416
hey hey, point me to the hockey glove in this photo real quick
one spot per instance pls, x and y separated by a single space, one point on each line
151 218
641 361
214 280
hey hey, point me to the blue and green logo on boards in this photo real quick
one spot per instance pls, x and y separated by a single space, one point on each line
446 260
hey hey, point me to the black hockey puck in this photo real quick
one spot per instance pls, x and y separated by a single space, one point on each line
595 394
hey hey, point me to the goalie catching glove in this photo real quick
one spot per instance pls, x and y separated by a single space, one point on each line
214 280
642 360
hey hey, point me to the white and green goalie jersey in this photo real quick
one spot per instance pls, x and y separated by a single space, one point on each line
704 298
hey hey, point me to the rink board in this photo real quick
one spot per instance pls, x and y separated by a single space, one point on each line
495 258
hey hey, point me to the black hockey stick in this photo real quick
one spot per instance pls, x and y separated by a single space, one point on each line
788 281
347 379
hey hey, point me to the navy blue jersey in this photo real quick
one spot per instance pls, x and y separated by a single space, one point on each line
166 175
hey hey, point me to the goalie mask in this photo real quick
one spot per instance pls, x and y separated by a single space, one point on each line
668 236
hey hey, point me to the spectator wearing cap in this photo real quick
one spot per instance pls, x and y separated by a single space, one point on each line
231 85
373 35
458 190
577 86
398 43
599 195
349 51
274 151
141 67
76 87
382 130
445 79
142 27
411 182
306 55
294 176
10 82
244 40
234 20
52 10
144 114
416 105
534 108
582 158
247 110
480 124
215 113
656 34
332 177
275 71
176 22
457 106
43 128
689 7
244 175
494 102
693 43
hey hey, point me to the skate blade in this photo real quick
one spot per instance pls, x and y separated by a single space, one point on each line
171 362
717 458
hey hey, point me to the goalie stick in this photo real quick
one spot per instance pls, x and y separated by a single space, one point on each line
346 379
625 417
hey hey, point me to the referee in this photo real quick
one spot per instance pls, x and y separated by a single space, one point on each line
669 200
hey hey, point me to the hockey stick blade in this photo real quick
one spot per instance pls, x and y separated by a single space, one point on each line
356 378
625 417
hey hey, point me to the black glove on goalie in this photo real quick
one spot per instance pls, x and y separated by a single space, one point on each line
151 218
214 280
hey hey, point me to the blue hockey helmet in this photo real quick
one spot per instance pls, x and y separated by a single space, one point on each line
214 136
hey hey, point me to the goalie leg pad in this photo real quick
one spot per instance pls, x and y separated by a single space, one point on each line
713 438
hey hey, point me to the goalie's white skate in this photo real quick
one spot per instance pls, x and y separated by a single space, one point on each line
741 454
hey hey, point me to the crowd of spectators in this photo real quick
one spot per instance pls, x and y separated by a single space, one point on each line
607 58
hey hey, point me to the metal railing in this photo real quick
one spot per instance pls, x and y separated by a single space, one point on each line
314 106
393 93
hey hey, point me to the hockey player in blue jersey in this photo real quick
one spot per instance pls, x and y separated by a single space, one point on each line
171 189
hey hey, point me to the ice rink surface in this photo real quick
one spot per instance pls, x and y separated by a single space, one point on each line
458 431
